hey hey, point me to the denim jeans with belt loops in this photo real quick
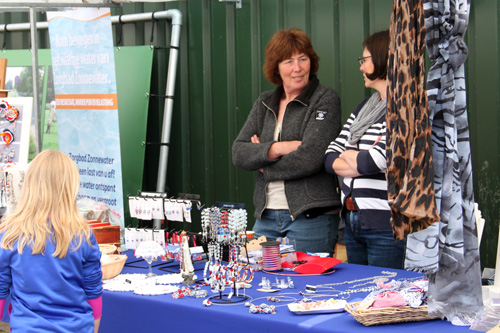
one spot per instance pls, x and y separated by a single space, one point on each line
316 235
374 247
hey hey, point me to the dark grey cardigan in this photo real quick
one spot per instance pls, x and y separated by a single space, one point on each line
314 118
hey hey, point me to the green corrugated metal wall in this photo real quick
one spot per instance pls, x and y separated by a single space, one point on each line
219 76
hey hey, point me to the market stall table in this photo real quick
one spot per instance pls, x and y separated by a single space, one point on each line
128 312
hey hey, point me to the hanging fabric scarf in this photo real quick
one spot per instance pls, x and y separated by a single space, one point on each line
455 272
409 155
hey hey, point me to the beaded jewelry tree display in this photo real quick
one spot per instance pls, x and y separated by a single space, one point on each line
225 227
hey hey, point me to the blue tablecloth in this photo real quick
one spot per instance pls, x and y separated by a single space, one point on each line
127 312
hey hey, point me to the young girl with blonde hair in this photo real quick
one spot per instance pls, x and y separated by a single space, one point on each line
49 257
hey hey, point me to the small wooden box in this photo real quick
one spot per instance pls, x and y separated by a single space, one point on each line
109 234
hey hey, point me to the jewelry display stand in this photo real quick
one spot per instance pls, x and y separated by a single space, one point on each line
149 206
149 251
166 267
225 226
146 206
15 120
132 263
230 298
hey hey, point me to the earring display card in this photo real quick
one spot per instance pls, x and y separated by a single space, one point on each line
15 121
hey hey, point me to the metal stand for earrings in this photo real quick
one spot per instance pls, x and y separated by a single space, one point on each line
230 298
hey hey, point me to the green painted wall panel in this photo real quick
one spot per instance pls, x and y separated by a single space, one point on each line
248 66
324 32
297 14
220 90
220 75
193 25
483 88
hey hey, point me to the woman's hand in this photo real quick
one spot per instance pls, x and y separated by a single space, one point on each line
350 157
282 148
255 139
346 165
278 149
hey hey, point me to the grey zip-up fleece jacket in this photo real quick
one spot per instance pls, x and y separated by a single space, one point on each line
313 118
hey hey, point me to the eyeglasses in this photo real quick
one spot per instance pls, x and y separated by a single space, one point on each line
363 59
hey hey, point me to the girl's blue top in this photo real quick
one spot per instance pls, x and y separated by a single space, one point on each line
49 294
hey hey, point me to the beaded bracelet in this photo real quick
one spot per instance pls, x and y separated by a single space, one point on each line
247 270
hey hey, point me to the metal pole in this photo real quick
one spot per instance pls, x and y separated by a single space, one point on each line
176 17
126 18
34 55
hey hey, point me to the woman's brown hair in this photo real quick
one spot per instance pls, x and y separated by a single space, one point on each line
282 45
378 46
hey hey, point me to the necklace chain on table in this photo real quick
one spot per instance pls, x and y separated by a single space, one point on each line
372 279
274 299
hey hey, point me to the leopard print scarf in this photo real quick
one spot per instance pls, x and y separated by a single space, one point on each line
409 153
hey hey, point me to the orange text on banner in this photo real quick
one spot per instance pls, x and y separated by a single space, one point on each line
87 101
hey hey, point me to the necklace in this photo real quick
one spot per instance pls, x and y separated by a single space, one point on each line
155 290
273 299
266 308
372 279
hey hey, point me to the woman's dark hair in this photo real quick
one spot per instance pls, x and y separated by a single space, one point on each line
282 45
378 46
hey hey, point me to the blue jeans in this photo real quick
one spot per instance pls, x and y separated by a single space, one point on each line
317 234
374 247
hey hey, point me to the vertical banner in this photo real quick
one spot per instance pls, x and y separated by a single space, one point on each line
81 43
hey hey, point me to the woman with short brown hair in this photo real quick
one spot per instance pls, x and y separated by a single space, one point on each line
283 141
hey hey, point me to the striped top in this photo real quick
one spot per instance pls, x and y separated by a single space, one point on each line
368 191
